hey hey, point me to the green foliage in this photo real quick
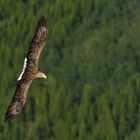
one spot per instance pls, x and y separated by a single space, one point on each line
92 61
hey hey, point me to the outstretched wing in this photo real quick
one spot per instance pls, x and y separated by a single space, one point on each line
29 69
35 49
18 100
38 43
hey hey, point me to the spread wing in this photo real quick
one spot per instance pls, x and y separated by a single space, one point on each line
29 69
38 43
18 100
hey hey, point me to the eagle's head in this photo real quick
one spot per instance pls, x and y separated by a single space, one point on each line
40 74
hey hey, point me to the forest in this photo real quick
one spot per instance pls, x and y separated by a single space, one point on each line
92 62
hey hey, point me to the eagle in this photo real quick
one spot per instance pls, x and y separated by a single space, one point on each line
30 70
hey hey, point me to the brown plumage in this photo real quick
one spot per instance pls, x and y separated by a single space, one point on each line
31 70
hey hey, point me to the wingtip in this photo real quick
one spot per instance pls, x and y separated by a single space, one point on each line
42 21
7 118
42 18
41 30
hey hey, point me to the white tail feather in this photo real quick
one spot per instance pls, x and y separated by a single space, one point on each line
24 66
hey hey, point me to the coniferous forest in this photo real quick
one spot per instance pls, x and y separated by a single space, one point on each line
92 61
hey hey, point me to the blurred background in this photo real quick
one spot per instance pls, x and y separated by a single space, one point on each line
92 60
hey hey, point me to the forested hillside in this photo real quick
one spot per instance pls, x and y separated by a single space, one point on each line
92 61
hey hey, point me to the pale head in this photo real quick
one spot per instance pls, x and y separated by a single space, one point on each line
40 74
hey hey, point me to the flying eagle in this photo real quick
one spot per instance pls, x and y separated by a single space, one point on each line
30 70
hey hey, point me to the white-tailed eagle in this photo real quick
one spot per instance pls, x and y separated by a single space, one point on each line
30 70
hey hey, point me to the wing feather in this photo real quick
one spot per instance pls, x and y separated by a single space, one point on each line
18 100
38 43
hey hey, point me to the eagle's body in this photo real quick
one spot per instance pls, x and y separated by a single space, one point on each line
30 70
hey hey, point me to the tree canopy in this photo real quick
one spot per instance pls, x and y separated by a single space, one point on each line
92 61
